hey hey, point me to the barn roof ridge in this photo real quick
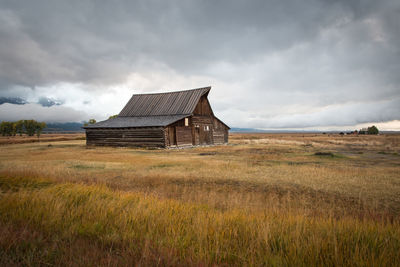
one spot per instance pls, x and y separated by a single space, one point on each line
162 115
171 92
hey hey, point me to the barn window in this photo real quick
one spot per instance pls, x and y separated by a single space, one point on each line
186 121
207 128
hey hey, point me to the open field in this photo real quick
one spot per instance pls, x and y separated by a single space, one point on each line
264 199
4 140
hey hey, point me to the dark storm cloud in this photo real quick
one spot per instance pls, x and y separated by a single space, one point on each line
12 100
89 41
308 54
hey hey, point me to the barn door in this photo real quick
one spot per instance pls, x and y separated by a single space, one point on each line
196 136
172 136
205 137
201 135
211 135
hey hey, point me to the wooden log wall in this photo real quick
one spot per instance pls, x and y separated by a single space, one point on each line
226 135
199 120
138 137
195 136
221 132
219 137
169 136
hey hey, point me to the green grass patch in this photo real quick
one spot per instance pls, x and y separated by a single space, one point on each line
296 163
86 167
329 155
161 166
67 146
388 153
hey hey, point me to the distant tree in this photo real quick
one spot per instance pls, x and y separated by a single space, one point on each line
6 128
13 128
363 131
113 116
30 127
39 128
91 121
19 127
373 130
3 128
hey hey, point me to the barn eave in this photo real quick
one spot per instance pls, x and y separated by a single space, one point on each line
136 122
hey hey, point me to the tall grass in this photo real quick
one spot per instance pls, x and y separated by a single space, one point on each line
134 228
262 200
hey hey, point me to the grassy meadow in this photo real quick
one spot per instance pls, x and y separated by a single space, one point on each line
4 140
263 199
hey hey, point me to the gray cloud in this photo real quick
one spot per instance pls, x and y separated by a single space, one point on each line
338 115
272 63
12 112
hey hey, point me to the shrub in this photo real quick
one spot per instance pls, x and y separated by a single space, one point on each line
373 130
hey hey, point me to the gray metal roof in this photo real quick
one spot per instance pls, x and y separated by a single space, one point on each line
143 121
171 103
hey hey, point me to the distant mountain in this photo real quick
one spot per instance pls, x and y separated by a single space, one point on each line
254 130
12 100
43 101
48 102
64 127
246 130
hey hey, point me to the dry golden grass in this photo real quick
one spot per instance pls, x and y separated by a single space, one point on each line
5 140
262 199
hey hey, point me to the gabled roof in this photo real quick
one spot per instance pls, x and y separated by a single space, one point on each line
144 121
171 103
161 109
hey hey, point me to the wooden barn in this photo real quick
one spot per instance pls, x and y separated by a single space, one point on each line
183 118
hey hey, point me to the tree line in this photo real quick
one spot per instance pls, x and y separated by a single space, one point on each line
370 130
28 127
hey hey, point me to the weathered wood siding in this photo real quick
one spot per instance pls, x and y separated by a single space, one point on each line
219 137
170 136
183 136
202 120
202 123
203 129
177 134
142 137
221 132
203 107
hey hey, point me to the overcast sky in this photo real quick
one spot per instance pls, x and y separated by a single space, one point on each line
312 64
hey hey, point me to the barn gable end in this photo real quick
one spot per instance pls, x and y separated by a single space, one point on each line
183 118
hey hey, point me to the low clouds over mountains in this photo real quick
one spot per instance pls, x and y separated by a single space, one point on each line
272 64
